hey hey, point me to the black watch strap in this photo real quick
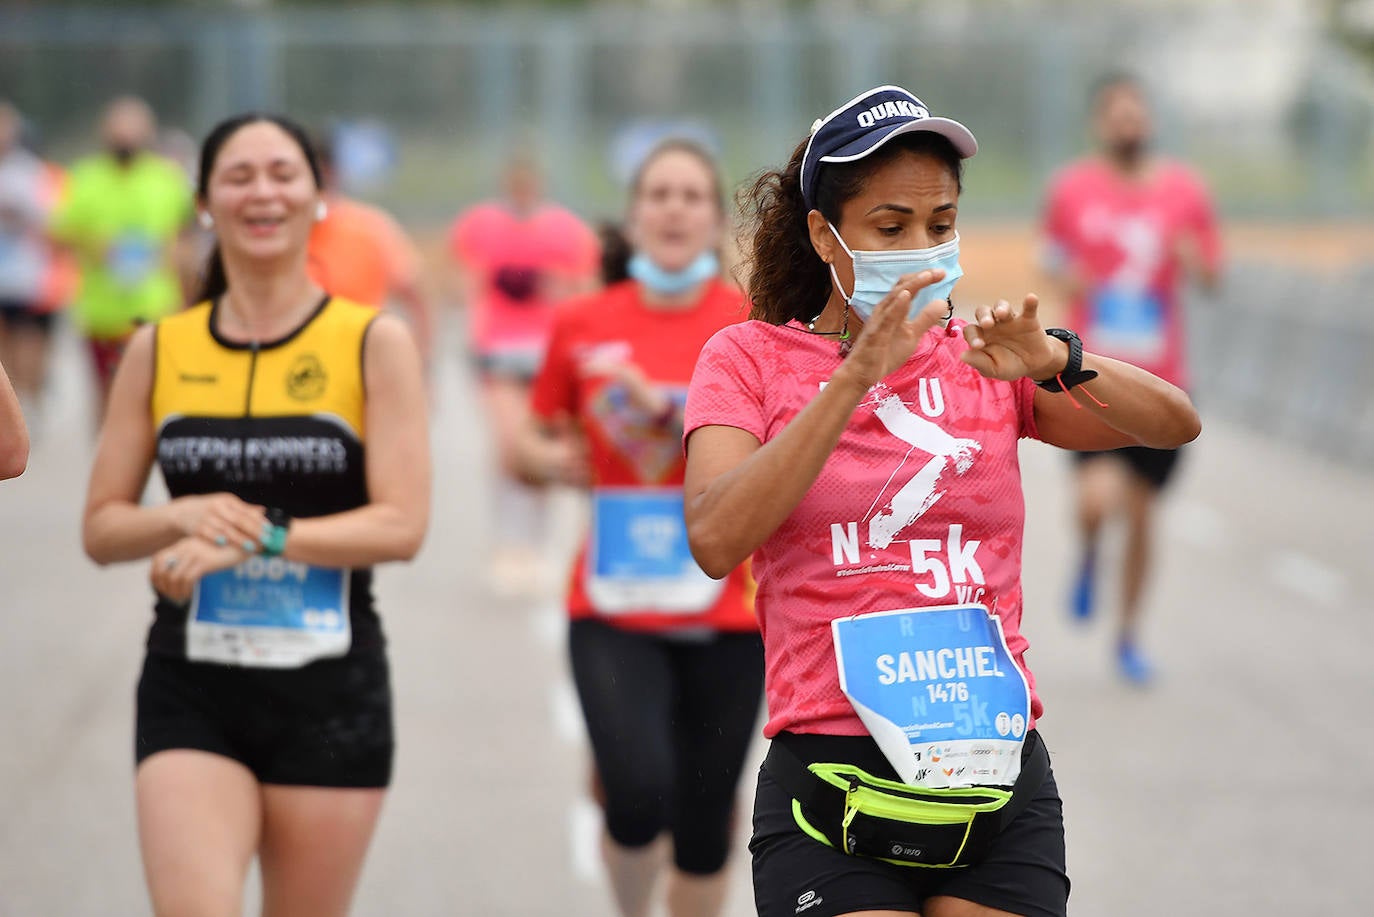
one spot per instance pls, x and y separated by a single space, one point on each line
1073 372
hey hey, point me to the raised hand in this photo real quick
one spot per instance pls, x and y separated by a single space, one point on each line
888 338
221 519
642 393
1008 343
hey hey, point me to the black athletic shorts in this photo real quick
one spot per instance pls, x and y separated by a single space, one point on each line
1154 466
14 314
325 724
1024 872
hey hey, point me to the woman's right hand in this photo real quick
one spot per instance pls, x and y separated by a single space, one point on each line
221 519
555 458
888 339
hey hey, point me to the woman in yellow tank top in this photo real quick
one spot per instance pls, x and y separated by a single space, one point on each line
290 428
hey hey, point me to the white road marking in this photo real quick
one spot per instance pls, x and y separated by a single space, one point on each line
584 840
1307 577
1199 525
567 713
549 622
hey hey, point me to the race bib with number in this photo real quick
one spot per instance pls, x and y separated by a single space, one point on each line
1128 323
939 692
638 558
131 259
269 613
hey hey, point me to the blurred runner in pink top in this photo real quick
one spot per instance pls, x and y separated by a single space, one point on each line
519 256
1124 229
516 258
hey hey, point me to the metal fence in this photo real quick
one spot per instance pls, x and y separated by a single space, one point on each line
1291 354
1274 114
1258 97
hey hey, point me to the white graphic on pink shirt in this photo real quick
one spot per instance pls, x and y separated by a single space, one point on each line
921 492
1139 239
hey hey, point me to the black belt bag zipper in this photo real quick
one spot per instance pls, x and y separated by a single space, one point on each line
849 809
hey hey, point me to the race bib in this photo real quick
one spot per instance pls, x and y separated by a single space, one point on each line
638 558
269 613
939 692
1128 323
131 259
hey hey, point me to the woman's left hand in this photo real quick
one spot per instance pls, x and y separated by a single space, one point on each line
177 569
1008 343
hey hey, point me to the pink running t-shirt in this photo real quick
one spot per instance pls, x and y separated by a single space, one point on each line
1122 237
920 504
518 268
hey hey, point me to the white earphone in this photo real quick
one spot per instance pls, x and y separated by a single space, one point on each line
321 211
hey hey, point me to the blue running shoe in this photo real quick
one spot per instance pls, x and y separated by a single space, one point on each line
1081 602
1134 667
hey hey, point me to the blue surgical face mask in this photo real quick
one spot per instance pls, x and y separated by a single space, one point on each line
671 283
876 273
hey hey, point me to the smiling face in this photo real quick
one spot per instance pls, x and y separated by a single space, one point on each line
909 202
261 194
676 214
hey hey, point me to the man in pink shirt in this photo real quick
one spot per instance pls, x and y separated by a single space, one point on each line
1124 228
517 257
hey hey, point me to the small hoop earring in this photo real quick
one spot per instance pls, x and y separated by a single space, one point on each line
205 220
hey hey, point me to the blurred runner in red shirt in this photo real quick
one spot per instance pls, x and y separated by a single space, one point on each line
1124 230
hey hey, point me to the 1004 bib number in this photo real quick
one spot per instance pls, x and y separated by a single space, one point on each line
270 612
272 569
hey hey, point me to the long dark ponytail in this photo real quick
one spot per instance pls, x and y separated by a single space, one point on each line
213 281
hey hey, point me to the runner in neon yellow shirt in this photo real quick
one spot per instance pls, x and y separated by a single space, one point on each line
122 214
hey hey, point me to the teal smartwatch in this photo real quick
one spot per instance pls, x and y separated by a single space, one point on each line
274 533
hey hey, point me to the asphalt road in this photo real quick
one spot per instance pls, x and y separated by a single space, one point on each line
1240 784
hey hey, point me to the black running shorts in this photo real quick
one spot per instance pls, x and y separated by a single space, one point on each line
325 724
15 315
1154 466
1024 873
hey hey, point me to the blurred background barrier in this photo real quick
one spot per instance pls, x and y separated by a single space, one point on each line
1269 99
1258 94
1292 353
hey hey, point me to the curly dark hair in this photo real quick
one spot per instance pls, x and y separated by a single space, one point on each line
787 279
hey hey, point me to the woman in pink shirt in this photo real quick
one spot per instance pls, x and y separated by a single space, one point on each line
517 257
862 447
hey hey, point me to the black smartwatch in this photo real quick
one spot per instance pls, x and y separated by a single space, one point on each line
1073 372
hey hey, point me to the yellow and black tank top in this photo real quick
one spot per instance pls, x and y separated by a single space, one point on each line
278 424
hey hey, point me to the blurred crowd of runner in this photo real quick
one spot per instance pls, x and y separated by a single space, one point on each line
233 303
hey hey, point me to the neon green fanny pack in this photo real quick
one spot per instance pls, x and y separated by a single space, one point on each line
847 808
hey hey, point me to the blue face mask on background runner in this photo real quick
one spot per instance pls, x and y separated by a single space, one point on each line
876 273
670 283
